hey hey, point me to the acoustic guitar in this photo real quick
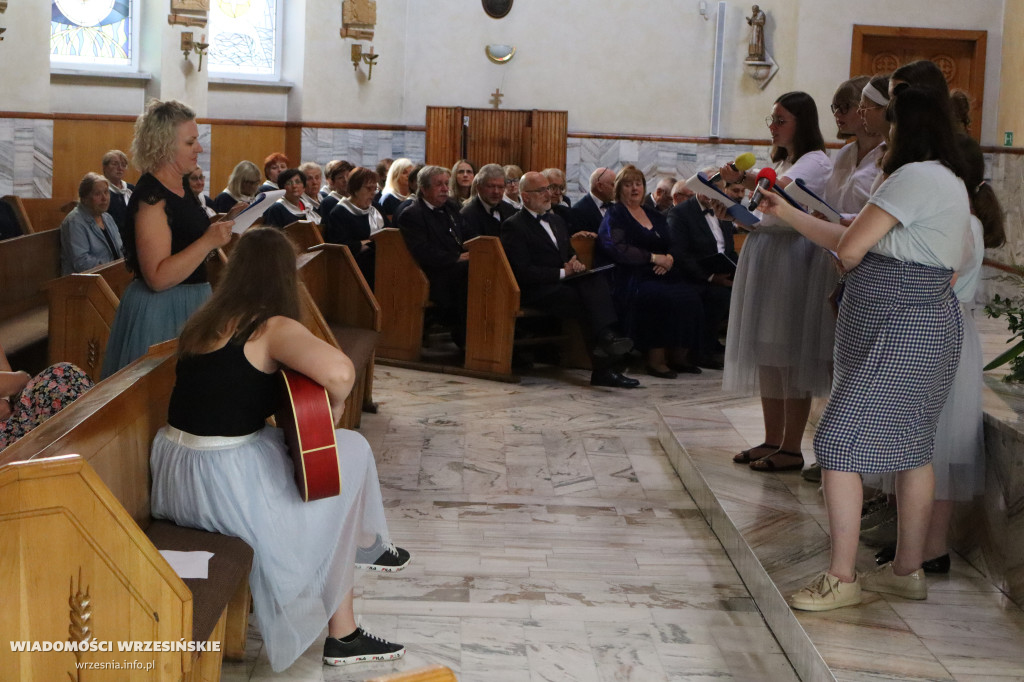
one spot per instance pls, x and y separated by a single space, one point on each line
305 417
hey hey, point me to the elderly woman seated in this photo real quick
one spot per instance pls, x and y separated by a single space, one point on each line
661 312
292 206
354 219
242 186
26 402
88 235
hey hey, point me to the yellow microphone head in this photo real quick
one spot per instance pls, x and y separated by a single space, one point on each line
745 161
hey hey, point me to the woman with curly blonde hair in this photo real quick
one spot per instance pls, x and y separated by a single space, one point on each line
167 236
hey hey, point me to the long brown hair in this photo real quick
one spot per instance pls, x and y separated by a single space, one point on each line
807 137
259 282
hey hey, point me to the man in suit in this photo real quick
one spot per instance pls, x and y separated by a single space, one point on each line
434 233
703 248
485 212
559 204
115 163
538 248
589 211
680 193
661 198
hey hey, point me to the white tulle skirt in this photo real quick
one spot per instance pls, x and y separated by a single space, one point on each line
305 552
781 328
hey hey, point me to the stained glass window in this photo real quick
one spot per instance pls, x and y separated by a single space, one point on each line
244 37
93 33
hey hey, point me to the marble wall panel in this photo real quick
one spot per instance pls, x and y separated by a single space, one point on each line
26 157
361 147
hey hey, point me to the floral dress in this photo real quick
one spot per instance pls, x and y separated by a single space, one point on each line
44 395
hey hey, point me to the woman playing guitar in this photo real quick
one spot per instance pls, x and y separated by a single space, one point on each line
219 467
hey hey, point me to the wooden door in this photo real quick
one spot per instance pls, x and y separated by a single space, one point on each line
959 54
530 139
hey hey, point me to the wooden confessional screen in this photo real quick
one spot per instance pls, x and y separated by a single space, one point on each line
959 54
532 140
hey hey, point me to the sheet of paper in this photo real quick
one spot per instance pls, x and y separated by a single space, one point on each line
258 207
188 564
799 192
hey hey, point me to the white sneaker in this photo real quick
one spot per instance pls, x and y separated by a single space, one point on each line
883 579
826 592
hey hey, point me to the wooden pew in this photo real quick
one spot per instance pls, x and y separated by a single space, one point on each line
27 263
584 248
403 291
15 202
430 673
305 234
95 510
492 309
347 306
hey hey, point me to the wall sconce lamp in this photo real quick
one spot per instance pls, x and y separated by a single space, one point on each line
368 57
500 54
188 46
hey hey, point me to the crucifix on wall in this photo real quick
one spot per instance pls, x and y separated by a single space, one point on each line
496 98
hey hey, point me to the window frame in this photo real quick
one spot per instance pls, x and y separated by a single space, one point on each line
61 64
249 76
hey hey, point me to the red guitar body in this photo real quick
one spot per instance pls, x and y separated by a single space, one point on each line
305 417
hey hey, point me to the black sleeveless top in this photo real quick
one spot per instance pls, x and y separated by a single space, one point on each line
185 216
221 394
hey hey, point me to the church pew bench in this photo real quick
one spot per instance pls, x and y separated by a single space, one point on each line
95 507
18 206
304 234
584 248
348 307
403 292
492 309
430 673
27 263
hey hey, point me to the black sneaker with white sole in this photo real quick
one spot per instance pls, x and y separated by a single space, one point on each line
364 647
392 560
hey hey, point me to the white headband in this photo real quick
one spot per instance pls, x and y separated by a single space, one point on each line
872 93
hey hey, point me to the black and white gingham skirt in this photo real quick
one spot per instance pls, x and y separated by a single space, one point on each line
897 348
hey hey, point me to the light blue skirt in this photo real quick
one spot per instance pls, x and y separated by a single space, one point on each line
145 317
304 552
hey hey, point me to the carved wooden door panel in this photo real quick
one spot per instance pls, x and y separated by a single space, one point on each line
532 140
959 54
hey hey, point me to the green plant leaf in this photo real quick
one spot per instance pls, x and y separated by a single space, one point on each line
1006 356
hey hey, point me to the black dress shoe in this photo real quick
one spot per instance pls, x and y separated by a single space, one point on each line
684 369
611 346
612 379
667 374
938 565
710 363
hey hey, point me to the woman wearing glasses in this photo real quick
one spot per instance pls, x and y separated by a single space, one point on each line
857 164
781 328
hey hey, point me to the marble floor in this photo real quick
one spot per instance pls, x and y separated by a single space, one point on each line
553 540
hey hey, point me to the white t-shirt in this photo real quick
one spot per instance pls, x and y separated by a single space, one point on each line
930 202
813 168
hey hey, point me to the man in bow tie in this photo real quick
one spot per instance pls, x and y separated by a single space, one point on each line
537 244
590 209
485 212
434 233
704 251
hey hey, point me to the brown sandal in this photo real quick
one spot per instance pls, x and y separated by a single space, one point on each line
768 465
745 458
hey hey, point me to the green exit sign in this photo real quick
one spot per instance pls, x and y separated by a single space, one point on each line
1008 139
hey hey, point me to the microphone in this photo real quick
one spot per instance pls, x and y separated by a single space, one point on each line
743 162
765 180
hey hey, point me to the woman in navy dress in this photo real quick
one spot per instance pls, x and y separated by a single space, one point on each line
355 219
662 313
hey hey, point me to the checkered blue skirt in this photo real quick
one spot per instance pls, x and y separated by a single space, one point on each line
897 348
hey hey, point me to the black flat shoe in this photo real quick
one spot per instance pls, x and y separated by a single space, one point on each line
938 565
612 379
710 363
667 374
